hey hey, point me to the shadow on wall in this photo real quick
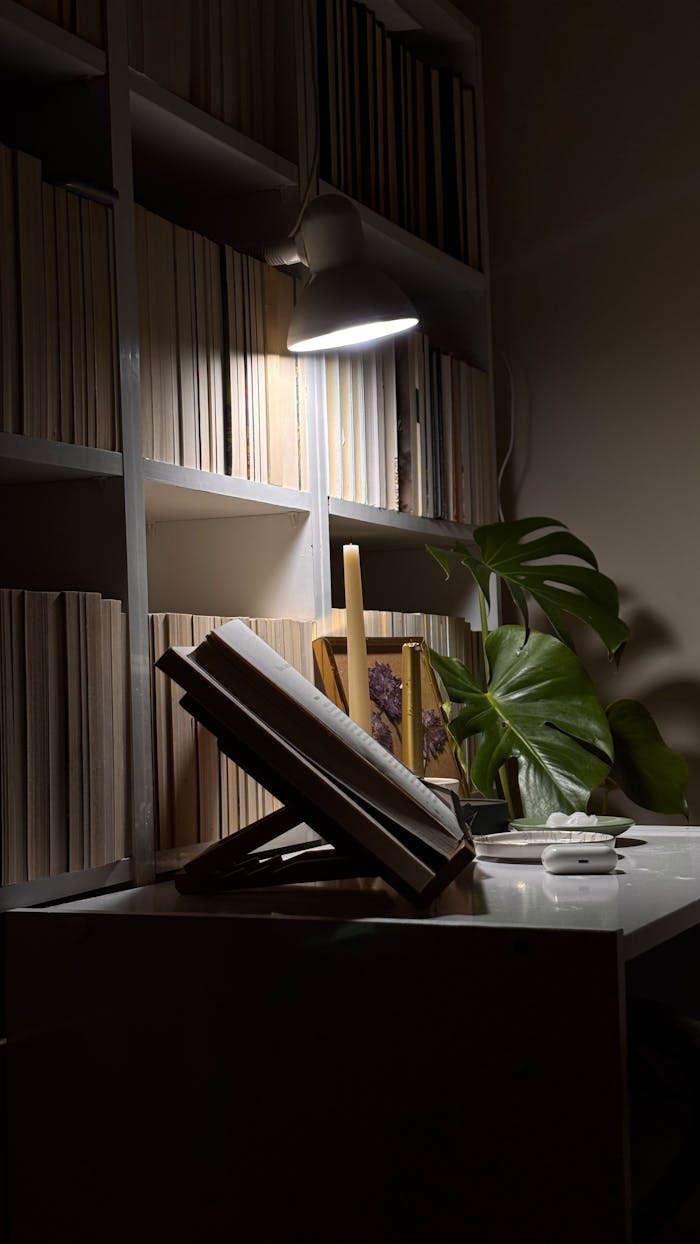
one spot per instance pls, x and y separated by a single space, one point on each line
676 702
673 701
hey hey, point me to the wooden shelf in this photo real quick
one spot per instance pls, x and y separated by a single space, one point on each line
27 460
175 139
175 493
33 49
390 529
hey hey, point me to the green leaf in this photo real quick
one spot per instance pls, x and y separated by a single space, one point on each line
442 557
540 707
480 572
522 559
646 769
457 679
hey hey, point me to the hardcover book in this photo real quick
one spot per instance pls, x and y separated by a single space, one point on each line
374 817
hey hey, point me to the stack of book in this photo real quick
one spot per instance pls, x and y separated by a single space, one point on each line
57 310
265 384
361 411
83 17
201 795
63 750
218 54
409 429
447 462
452 637
397 133
219 390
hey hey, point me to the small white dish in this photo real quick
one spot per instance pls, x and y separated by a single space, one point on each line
526 846
604 825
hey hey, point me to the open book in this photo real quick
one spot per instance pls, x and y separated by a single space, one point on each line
327 771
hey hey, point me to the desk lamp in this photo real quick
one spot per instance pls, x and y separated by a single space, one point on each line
346 301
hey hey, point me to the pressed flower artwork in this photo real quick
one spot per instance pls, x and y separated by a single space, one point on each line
384 666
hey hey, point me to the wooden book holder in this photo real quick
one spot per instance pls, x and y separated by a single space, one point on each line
371 815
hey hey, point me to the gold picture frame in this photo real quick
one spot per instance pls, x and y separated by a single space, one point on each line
384 669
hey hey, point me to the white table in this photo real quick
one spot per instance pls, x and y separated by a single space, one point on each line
653 894
333 1065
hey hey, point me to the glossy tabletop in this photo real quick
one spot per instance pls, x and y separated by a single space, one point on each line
653 894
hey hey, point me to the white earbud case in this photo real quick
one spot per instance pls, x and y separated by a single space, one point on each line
579 857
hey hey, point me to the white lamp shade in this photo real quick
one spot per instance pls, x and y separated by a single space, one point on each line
347 305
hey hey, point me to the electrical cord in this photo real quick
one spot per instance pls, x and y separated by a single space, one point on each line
308 50
511 439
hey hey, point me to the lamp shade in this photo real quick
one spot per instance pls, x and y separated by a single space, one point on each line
347 300
348 305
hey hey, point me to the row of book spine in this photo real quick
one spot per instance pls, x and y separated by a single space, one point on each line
219 390
82 17
57 310
63 729
447 452
200 794
218 54
409 429
397 133
363 452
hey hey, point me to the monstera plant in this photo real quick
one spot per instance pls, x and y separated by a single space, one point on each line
532 704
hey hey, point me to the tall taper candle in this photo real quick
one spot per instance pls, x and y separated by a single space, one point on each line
358 686
411 709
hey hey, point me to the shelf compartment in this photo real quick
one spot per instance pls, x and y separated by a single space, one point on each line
68 532
254 559
397 571
177 494
28 460
33 49
390 529
66 885
184 153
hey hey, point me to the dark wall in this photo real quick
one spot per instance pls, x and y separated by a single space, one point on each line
592 140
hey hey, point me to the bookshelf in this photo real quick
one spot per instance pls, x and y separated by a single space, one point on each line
139 523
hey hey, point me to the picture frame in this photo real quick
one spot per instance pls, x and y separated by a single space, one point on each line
384 669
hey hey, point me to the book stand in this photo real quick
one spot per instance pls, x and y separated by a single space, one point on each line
249 858
357 836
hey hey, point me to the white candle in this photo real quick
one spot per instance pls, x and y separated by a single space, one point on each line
358 686
411 709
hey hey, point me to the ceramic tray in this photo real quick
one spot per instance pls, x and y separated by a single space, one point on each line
525 846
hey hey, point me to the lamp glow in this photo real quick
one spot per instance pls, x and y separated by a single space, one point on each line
355 335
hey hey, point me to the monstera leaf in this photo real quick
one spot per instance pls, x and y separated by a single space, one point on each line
645 768
540 707
521 554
